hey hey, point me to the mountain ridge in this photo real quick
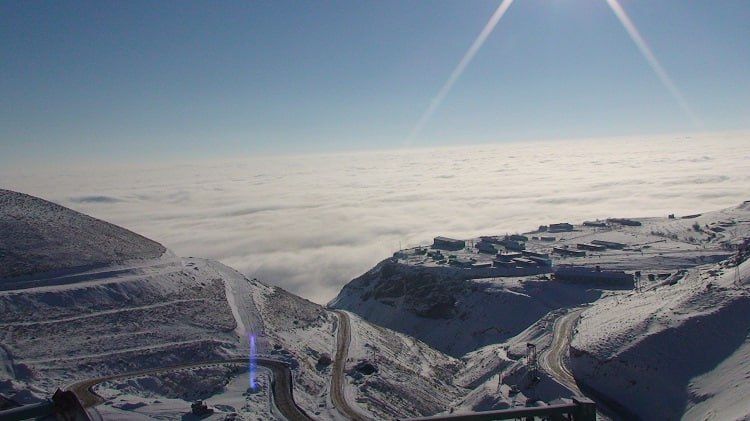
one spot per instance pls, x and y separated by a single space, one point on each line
127 311
40 236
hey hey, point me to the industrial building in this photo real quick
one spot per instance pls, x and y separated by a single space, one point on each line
512 244
541 261
625 221
568 252
507 257
504 264
561 227
529 253
590 247
609 244
464 263
481 265
593 275
518 262
446 243
524 262
489 239
486 247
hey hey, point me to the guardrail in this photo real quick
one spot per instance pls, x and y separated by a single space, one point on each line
582 409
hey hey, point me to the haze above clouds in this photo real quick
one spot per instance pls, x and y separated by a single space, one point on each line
312 223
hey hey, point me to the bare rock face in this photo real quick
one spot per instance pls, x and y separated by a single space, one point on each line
425 294
40 236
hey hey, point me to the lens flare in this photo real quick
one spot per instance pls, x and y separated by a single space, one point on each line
656 66
251 362
468 56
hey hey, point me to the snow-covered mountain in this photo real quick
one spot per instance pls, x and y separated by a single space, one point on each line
83 299
680 349
675 346
452 314
40 236
421 334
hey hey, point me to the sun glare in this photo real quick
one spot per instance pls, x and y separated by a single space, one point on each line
621 15
456 74
656 66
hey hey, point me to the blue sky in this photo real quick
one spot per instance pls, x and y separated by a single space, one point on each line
124 81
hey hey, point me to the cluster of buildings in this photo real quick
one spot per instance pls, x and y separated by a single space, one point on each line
582 248
508 256
508 252
524 258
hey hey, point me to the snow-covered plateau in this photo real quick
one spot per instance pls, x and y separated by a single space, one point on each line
648 316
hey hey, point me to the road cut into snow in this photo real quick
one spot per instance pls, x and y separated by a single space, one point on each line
240 296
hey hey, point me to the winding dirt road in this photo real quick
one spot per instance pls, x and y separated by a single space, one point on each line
281 384
553 358
343 337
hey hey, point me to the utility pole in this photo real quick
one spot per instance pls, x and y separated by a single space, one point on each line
531 360
637 279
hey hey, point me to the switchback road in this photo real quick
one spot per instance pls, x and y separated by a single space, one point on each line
281 384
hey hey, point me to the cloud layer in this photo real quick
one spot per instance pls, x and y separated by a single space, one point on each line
312 223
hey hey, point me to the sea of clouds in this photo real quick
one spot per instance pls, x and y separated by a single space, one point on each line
312 223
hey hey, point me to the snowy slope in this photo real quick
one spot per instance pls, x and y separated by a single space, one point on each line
169 395
678 348
299 331
97 300
489 372
176 313
674 351
412 379
411 293
138 311
455 316
40 236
